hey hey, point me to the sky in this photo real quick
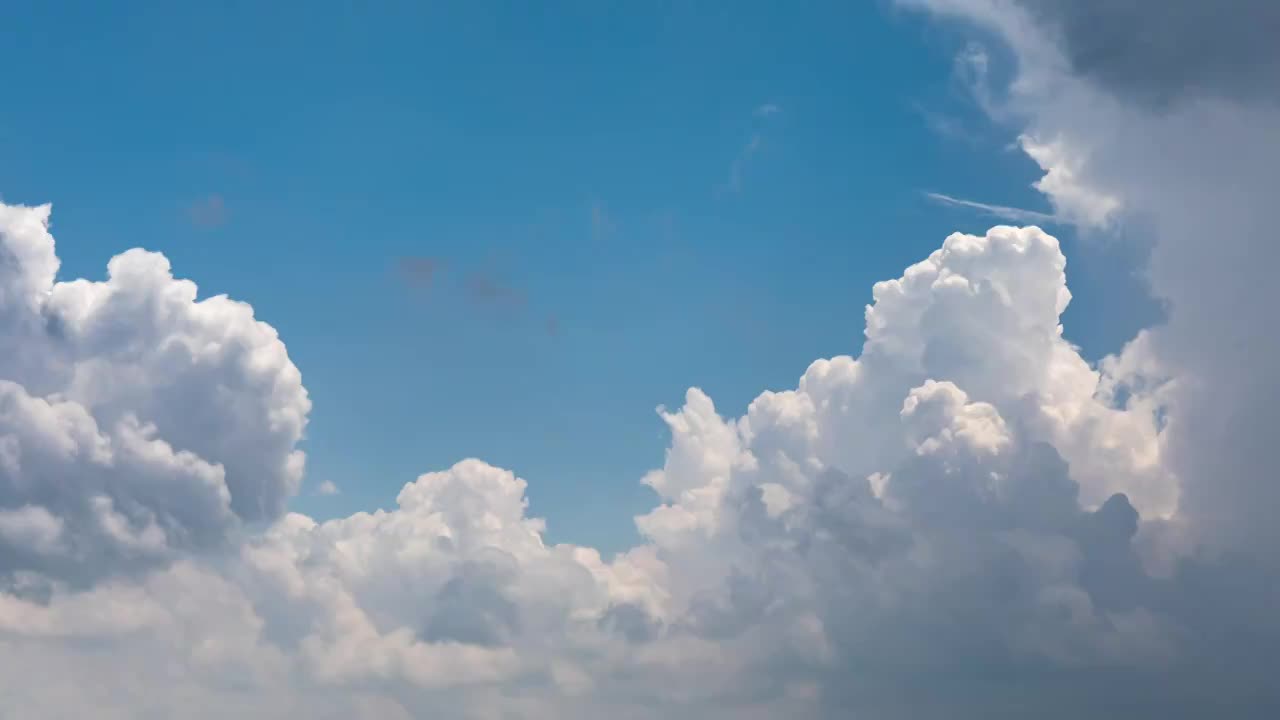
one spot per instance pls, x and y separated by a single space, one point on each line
614 203
484 361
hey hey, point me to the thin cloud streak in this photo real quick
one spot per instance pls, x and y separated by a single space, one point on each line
739 164
602 225
1001 211
734 183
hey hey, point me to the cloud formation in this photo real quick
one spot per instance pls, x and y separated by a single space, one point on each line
1194 177
1003 212
967 492
136 421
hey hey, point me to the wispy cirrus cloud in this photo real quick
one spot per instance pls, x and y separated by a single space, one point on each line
1013 214
486 288
602 224
481 286
767 110
208 212
948 126
419 272
737 168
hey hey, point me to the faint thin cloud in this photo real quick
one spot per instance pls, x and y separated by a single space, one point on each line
947 126
737 167
484 287
221 162
971 68
1001 211
419 272
602 225
327 488
480 287
208 212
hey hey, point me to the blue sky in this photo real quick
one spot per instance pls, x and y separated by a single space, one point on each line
605 196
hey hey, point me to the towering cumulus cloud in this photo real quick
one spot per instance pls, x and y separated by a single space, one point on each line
1163 119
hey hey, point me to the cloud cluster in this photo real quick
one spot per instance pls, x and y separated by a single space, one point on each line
967 491
135 421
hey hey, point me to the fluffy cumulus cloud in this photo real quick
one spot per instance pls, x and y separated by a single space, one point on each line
136 423
945 526
968 520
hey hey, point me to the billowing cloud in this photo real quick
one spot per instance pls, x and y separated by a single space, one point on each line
1195 178
135 421
968 491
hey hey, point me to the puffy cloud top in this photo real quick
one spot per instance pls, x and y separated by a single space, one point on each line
135 420
968 493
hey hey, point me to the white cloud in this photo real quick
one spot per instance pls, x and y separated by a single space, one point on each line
138 420
327 488
1073 199
1131 134
770 572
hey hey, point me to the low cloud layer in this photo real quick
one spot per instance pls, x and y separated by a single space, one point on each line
968 504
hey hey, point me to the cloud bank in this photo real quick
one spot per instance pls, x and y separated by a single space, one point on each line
965 494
